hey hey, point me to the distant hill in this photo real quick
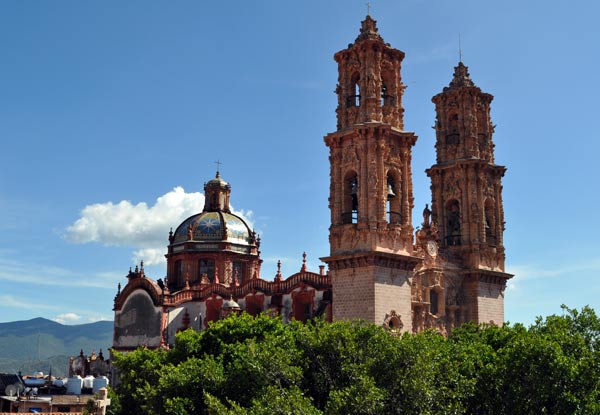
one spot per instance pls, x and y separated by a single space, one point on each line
41 344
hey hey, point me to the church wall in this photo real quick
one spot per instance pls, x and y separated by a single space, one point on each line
196 311
353 294
393 293
490 303
138 322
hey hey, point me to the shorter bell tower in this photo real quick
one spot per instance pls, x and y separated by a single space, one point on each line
466 187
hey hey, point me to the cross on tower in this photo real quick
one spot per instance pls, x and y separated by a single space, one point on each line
218 163
368 8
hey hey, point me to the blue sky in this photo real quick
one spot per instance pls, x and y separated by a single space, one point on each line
112 115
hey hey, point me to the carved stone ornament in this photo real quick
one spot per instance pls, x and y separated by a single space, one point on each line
393 322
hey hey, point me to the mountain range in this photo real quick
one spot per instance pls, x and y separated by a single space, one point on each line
40 344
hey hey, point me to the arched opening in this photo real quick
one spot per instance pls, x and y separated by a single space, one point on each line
490 222
206 268
434 299
453 226
387 89
393 198
350 203
353 100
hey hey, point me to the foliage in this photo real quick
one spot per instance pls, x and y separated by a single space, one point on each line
244 365
89 408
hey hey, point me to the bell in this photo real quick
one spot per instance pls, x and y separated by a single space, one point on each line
353 187
390 191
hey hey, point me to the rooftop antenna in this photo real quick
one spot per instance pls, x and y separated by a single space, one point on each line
459 50
368 8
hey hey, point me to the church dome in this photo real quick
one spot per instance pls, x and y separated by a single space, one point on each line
213 226
215 223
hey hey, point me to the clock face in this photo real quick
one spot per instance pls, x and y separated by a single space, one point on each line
432 248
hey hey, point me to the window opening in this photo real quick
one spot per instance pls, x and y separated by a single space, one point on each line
207 266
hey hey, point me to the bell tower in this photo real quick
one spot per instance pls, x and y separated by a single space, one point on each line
467 195
371 195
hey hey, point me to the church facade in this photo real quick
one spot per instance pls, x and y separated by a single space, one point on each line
447 271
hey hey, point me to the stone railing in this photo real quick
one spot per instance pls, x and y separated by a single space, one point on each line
315 280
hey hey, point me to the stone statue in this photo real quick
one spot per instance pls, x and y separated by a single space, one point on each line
426 215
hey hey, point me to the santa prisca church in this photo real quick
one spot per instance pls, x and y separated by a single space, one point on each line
380 268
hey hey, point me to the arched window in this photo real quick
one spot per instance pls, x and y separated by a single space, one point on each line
453 230
350 203
384 95
354 100
490 222
393 199
206 267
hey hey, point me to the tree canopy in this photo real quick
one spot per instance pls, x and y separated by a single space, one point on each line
247 365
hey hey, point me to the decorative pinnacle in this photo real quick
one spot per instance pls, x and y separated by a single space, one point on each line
303 269
369 30
461 77
278 276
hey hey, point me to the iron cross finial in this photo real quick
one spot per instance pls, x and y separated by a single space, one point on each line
218 163
368 8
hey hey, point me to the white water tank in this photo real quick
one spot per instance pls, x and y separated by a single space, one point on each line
100 382
74 385
88 382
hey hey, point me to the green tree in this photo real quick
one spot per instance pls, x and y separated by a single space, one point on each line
246 365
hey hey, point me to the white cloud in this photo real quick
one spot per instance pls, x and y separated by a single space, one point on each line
67 318
150 256
139 226
126 224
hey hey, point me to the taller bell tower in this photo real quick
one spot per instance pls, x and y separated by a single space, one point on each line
467 196
371 195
